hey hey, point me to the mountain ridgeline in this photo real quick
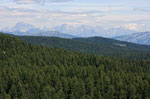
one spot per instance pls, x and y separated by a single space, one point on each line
22 28
40 72
92 45
139 38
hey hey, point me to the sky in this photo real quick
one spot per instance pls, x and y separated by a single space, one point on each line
129 14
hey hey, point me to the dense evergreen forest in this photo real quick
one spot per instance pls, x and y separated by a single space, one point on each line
40 72
93 45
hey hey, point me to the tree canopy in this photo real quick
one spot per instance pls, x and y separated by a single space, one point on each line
38 72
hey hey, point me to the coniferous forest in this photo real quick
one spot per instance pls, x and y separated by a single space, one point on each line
40 72
91 45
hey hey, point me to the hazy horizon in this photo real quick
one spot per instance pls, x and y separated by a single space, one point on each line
132 15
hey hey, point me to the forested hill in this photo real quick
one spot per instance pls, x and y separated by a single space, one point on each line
112 42
93 45
37 72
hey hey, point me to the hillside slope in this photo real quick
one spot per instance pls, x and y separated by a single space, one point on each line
94 45
139 38
38 72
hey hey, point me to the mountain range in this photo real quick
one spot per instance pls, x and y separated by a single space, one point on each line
22 29
78 31
69 31
90 31
139 38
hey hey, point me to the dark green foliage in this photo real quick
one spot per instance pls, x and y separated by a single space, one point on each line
38 72
93 45
112 42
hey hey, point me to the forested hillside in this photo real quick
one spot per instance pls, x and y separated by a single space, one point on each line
93 45
112 42
39 72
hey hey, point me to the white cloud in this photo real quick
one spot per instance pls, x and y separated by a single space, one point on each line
141 9
26 1
52 14
133 26
38 1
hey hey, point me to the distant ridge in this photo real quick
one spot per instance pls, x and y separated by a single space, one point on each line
139 38
92 45
23 29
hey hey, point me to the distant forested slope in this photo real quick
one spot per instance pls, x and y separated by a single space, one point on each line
93 45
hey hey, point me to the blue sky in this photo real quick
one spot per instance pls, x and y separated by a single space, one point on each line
129 14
